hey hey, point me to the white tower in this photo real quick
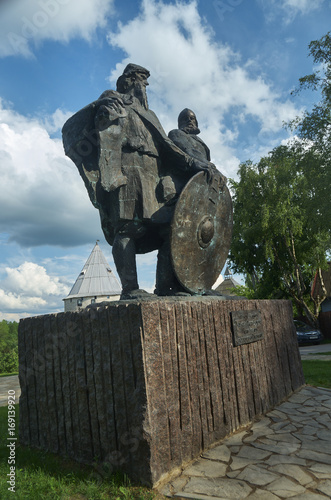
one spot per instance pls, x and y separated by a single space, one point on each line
95 283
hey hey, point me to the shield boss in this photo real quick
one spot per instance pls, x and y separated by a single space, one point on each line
201 232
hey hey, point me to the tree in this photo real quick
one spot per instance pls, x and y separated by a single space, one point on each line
8 346
279 239
315 125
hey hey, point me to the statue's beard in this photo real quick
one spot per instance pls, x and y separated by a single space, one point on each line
191 129
140 94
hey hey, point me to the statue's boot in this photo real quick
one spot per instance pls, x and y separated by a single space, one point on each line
124 253
166 282
137 294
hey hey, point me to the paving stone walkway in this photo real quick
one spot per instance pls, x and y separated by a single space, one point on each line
284 454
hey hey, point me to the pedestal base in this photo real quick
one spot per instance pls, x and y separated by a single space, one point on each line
146 386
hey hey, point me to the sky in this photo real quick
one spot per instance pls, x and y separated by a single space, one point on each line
233 62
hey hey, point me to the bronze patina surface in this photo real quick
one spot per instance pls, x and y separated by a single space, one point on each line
201 232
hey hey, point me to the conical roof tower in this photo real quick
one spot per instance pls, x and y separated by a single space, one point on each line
95 283
228 283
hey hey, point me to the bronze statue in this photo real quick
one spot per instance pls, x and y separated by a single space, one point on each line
134 175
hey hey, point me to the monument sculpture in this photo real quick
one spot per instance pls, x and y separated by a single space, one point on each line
146 188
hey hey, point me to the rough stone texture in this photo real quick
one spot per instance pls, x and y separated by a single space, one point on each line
147 386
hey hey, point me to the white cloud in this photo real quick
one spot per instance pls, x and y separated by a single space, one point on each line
12 301
301 6
43 200
54 122
29 287
23 24
190 69
31 279
289 9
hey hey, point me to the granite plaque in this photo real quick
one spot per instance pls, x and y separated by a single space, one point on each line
247 327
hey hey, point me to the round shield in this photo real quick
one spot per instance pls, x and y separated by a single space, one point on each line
201 232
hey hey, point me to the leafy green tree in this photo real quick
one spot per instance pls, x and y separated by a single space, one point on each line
279 238
8 346
315 125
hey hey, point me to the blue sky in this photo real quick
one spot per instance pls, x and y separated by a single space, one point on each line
234 62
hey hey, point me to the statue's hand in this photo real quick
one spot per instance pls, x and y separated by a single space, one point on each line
223 181
209 168
114 102
109 109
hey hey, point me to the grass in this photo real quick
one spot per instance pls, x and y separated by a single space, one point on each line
317 373
45 476
8 374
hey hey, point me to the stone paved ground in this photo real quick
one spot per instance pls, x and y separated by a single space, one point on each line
284 454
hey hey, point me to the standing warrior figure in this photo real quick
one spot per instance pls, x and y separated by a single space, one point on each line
201 228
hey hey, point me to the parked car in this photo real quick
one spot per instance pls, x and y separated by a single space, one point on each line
307 334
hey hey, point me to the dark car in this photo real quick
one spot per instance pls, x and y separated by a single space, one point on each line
307 334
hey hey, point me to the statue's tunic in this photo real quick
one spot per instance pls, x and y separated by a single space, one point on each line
134 159
190 144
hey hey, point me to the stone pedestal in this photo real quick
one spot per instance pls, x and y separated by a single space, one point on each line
146 386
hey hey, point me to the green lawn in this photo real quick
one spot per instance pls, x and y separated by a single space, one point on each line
317 373
45 476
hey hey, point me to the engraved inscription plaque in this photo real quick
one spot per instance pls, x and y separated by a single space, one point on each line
247 327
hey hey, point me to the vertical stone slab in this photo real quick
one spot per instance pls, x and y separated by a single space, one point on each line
52 428
243 388
24 429
135 397
185 396
214 385
218 319
232 413
194 380
108 379
283 350
199 415
34 355
115 456
88 327
158 428
68 340
59 417
67 386
170 363
208 424
136 442
97 410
